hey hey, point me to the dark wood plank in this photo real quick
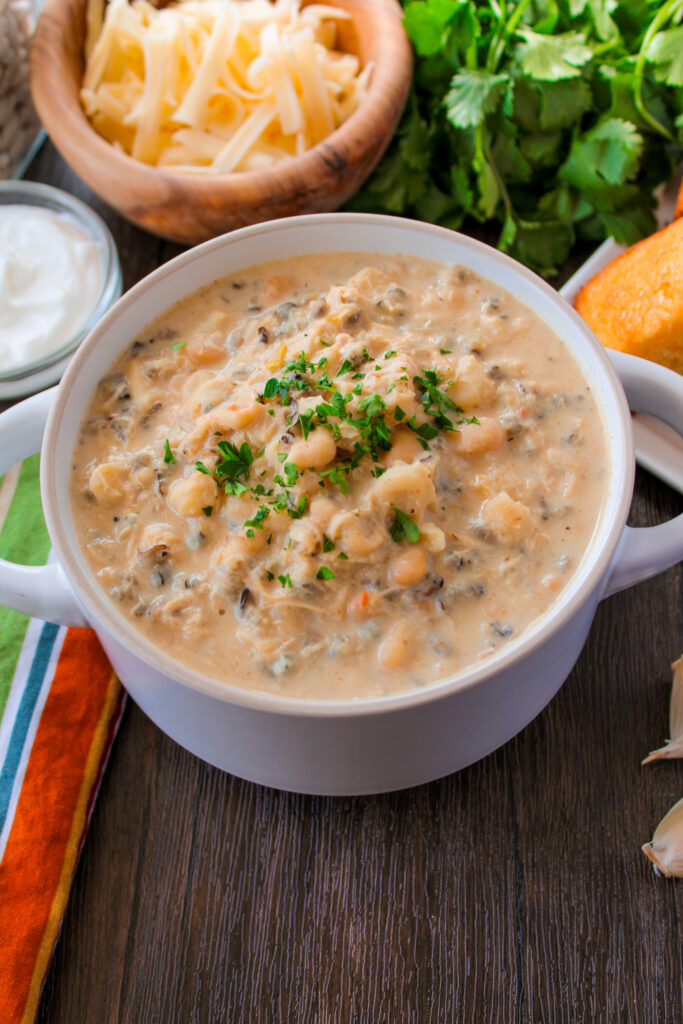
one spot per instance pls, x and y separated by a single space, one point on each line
514 891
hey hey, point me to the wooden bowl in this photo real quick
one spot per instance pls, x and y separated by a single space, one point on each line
188 209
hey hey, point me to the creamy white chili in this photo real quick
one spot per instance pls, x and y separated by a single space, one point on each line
339 476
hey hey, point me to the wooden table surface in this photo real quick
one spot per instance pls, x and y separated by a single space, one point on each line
514 891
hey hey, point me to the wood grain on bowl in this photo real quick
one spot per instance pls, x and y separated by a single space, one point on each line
183 208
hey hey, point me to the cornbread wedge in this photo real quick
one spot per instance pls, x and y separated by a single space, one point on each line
635 304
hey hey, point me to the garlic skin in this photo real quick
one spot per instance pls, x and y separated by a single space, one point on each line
674 746
666 847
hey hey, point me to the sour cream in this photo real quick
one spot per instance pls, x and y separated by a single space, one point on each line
51 276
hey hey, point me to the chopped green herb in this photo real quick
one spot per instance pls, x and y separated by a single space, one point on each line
285 580
305 420
168 454
336 475
399 414
269 575
291 472
282 456
344 368
261 513
372 405
327 544
236 488
178 345
388 355
343 557
325 344
207 510
236 461
404 527
298 510
426 431
202 468
324 573
446 351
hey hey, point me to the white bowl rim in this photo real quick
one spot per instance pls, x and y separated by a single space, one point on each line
585 580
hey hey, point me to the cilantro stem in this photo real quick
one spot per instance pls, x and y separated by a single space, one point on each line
662 16
505 29
509 231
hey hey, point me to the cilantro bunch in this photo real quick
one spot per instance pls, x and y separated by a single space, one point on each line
552 121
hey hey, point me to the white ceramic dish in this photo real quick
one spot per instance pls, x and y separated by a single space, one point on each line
351 746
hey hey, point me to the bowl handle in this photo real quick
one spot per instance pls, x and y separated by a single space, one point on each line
39 590
645 551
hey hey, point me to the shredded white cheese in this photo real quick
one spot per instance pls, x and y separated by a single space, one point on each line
213 86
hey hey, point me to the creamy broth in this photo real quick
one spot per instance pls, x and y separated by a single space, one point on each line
414 467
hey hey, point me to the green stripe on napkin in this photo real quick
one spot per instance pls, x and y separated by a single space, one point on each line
23 539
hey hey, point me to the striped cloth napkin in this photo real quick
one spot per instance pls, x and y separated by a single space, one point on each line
60 705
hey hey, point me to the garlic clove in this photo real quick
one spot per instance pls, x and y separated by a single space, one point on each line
674 746
666 847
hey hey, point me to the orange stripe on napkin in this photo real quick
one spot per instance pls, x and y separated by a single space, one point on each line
43 845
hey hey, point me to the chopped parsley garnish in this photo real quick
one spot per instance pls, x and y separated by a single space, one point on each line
435 401
324 573
261 513
178 345
168 454
236 461
344 368
282 456
285 580
207 510
305 421
343 557
445 351
236 488
291 472
372 405
327 544
404 527
337 475
269 575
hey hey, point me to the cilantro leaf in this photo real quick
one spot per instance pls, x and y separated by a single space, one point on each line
426 24
551 58
472 95
324 573
608 154
665 52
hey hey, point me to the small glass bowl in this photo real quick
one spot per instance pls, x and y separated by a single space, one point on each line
41 373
